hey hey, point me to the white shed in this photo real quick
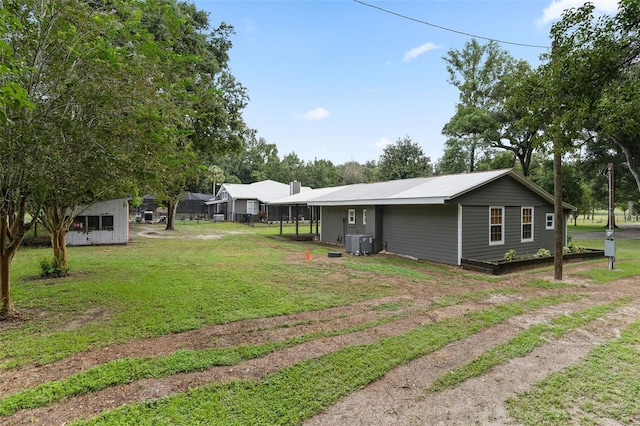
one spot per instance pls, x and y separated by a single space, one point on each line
104 222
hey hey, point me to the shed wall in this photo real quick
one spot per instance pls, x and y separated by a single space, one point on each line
118 209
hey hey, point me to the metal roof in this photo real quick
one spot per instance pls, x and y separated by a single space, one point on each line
264 191
428 190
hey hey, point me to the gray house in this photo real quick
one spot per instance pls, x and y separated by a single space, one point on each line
442 218
236 201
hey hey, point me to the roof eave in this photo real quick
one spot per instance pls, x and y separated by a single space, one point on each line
379 202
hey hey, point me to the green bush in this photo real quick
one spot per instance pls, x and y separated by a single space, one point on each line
542 252
510 255
51 268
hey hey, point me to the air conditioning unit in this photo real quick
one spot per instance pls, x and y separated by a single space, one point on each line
358 244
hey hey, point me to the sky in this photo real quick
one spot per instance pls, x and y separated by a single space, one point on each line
339 80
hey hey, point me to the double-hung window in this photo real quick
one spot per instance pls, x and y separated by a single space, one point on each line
526 224
496 225
351 216
549 221
253 206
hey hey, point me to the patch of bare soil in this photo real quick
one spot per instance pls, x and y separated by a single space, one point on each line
399 397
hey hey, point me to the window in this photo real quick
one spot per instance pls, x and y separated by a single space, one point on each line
527 224
79 223
224 195
351 216
93 223
364 216
496 225
253 206
549 221
106 223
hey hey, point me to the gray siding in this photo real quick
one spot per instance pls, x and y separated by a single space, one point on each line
505 191
425 232
335 224
510 194
332 230
475 232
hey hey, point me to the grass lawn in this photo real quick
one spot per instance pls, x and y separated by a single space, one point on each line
217 273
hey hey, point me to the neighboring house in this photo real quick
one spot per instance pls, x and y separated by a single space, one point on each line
191 206
237 201
443 218
105 222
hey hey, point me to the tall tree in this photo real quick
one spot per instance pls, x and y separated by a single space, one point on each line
477 72
595 58
205 100
81 66
351 172
402 160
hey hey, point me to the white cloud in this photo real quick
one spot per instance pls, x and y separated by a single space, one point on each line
315 114
382 143
553 12
417 51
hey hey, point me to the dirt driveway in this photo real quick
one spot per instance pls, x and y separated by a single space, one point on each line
398 398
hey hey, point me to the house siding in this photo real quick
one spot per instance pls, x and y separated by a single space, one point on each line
425 232
332 230
335 224
507 193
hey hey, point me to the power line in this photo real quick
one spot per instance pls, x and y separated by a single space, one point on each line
449 29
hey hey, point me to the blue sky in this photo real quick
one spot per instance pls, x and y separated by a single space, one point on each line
338 80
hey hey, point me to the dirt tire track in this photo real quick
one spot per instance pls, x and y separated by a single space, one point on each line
400 397
93 404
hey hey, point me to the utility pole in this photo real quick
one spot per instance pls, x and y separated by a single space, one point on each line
609 242
558 233
558 221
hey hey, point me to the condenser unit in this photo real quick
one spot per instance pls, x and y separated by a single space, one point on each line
358 244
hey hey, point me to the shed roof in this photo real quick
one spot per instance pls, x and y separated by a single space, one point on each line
427 190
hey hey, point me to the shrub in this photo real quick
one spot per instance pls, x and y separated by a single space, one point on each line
52 269
542 252
510 255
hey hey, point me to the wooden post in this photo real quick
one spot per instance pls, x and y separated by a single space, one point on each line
557 192
558 232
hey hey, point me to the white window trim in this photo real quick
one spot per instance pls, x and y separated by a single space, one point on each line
548 226
255 206
501 241
526 240
364 216
351 216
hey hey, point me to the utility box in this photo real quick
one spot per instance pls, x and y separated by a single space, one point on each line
610 248
358 244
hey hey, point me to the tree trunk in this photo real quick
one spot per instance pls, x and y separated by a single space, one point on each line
5 285
632 161
12 231
59 244
56 222
172 207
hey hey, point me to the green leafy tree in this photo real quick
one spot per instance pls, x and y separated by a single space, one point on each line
203 102
79 70
351 172
594 68
477 71
321 174
402 160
